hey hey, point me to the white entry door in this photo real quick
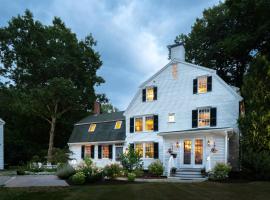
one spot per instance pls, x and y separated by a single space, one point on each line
192 153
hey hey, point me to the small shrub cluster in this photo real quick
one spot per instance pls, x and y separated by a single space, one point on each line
65 171
156 168
220 172
131 177
78 178
112 170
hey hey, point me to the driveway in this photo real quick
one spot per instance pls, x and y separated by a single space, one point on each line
35 181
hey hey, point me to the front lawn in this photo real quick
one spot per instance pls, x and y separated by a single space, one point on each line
129 191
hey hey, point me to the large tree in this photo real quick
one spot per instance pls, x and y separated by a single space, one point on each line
228 36
50 67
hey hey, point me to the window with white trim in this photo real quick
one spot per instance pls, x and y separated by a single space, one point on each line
149 123
202 84
171 117
149 150
150 94
139 148
105 151
203 117
138 124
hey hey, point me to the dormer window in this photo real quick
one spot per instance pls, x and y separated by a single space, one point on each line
202 84
149 94
118 124
92 128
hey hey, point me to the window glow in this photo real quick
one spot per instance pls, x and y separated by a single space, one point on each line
138 124
139 149
149 94
171 117
118 125
204 117
87 151
149 150
149 123
202 84
92 128
105 151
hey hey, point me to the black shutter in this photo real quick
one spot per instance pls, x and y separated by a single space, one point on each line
144 95
82 151
209 83
155 93
156 152
110 151
194 118
213 117
195 86
155 122
92 151
131 145
99 151
131 125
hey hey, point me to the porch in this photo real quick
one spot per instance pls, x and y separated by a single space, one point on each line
195 150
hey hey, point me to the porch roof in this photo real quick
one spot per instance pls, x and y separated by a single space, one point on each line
223 130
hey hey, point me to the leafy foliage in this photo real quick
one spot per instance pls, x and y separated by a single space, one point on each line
227 40
65 171
112 170
131 159
156 168
220 172
78 178
131 177
51 75
255 124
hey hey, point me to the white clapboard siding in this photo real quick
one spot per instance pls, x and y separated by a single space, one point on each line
175 95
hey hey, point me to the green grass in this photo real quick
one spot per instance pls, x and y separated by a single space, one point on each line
185 191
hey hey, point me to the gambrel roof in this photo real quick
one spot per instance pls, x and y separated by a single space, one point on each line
175 61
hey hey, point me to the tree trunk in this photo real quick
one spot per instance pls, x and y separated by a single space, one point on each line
51 140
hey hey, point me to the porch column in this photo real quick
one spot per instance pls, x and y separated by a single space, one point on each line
226 147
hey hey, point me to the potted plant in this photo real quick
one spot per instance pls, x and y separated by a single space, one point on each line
173 170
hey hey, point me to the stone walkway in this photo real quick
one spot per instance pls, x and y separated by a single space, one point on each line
4 179
35 181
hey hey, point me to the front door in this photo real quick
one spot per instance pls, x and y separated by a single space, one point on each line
193 153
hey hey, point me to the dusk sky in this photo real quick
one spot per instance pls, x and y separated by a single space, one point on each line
132 36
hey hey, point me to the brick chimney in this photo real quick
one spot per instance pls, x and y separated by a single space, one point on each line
96 109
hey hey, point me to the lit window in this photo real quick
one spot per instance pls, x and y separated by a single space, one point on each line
118 125
204 117
87 151
149 150
149 94
202 84
149 123
138 124
139 149
171 117
92 128
105 151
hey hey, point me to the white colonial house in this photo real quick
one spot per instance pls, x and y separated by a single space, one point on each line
187 111
2 123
